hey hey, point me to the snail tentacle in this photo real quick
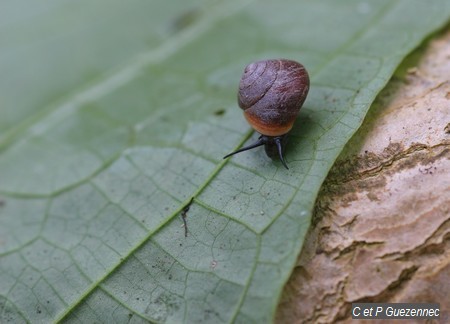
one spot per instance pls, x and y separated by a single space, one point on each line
280 151
261 141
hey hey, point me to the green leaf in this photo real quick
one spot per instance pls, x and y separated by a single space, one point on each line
115 114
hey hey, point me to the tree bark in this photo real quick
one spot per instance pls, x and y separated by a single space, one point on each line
381 229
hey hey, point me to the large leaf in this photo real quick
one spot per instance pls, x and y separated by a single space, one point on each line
115 114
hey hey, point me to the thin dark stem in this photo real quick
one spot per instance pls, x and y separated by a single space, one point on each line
184 215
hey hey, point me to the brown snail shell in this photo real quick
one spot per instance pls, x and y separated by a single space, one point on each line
271 93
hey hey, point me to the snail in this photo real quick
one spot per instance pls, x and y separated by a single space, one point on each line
271 93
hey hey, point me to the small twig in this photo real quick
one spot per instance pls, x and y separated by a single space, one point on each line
184 215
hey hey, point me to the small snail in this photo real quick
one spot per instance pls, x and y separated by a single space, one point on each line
271 93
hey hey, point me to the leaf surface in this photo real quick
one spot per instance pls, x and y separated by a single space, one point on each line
115 115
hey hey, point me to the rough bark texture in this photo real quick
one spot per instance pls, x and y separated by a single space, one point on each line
381 231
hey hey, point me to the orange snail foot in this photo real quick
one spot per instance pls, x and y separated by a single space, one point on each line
273 145
272 130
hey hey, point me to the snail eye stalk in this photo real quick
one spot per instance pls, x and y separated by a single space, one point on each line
269 145
261 141
280 151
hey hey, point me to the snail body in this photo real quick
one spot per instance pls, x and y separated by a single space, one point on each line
271 93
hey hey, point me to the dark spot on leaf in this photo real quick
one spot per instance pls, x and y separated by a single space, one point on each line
185 19
219 112
170 277
209 314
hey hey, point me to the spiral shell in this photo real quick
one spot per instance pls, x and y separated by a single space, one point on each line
271 93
